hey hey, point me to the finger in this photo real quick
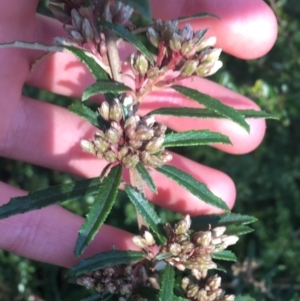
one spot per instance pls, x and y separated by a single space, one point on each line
50 234
246 29
54 143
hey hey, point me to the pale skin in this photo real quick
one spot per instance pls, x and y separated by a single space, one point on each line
47 135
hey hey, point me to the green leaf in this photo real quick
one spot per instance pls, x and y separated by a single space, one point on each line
225 255
205 113
238 230
142 170
142 6
214 105
146 210
167 285
149 293
176 298
192 185
84 112
49 196
162 256
101 87
104 201
129 37
201 222
90 62
198 16
244 298
102 260
202 137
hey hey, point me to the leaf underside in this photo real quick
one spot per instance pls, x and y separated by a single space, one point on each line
84 112
104 201
192 185
49 196
214 105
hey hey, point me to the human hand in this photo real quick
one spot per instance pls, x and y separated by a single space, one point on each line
47 135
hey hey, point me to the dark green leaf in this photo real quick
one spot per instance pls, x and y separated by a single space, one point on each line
201 222
167 285
84 112
142 170
49 196
146 210
202 137
104 201
244 298
142 6
198 16
101 87
149 293
238 230
214 105
205 113
224 255
176 298
102 260
90 62
129 37
192 185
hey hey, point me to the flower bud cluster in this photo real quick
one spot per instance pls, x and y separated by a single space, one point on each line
128 141
183 49
118 279
194 250
207 290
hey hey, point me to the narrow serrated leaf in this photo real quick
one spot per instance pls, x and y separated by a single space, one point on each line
198 16
146 211
104 201
129 37
141 6
84 112
102 260
214 105
238 230
49 196
101 87
192 185
202 137
96 70
205 113
201 222
145 175
167 285
225 255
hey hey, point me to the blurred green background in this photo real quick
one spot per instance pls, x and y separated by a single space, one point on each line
268 182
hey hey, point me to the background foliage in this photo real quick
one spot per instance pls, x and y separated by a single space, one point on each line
268 182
